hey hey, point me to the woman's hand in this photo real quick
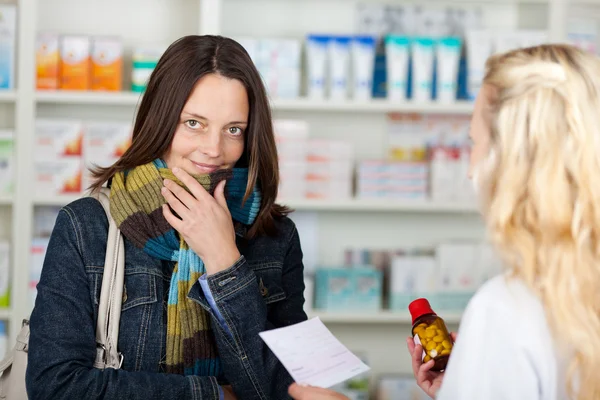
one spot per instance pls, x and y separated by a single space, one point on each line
204 222
228 392
427 380
299 392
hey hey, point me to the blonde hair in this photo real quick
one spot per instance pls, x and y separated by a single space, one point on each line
540 188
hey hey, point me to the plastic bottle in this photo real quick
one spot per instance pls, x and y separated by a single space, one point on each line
430 331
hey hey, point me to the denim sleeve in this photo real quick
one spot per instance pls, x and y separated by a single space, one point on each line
62 343
237 295
211 302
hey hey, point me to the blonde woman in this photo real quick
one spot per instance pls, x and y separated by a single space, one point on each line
534 332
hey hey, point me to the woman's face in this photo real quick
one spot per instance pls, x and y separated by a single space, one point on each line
480 131
211 129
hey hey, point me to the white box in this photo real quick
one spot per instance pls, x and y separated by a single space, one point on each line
39 246
8 34
7 161
458 276
57 138
58 177
330 150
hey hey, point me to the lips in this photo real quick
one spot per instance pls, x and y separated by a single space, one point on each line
205 168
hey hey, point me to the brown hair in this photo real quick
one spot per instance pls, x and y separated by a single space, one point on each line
172 81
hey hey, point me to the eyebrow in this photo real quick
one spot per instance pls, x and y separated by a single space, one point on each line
198 116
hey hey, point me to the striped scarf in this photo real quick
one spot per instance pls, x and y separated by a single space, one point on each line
135 204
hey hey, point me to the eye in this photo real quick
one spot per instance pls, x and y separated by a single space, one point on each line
192 124
234 130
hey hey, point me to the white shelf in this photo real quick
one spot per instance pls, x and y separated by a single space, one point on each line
381 317
88 97
373 106
381 205
301 104
388 205
7 96
5 314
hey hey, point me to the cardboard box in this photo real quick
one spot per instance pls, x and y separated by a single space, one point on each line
75 64
107 64
58 177
7 161
47 61
8 34
58 138
4 274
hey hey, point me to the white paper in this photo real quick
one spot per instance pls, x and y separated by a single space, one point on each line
312 355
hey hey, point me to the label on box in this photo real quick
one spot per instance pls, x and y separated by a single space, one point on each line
58 177
106 141
8 34
6 163
56 138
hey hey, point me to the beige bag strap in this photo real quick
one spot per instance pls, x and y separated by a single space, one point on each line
111 294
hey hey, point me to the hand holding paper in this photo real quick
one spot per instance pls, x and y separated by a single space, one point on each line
312 355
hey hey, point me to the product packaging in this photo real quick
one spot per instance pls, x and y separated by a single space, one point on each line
62 176
47 61
334 288
39 246
397 57
75 64
57 138
363 61
4 274
316 57
423 57
448 59
104 144
107 64
339 66
8 35
6 163
143 63
479 48
458 275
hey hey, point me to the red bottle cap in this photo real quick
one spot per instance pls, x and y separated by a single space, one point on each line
418 308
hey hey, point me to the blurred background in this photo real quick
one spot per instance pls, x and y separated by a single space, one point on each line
371 101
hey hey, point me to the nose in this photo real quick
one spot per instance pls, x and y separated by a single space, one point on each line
211 144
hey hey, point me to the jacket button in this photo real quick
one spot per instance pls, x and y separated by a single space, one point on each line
124 293
263 290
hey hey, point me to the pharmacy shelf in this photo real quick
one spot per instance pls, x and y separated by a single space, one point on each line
381 317
8 96
388 205
5 314
372 106
6 200
300 104
85 97
382 205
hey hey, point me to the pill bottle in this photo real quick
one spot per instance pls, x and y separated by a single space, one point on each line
430 331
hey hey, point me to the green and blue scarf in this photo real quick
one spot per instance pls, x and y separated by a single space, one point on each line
136 206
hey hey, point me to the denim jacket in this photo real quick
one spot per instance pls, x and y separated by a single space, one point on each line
262 290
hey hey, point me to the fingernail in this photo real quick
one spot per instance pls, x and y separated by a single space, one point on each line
167 182
175 170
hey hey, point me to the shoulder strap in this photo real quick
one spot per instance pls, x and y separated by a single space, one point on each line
111 294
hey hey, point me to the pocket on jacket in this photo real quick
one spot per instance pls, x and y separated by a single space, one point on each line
139 287
268 276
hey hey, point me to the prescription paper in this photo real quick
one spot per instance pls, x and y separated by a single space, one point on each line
312 355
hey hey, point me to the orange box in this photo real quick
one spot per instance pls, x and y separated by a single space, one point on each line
75 65
47 60
107 64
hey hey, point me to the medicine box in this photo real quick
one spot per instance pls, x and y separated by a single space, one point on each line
58 138
8 34
334 288
75 64
458 275
413 274
39 246
6 163
144 61
368 284
58 177
47 61
107 64
104 144
4 274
